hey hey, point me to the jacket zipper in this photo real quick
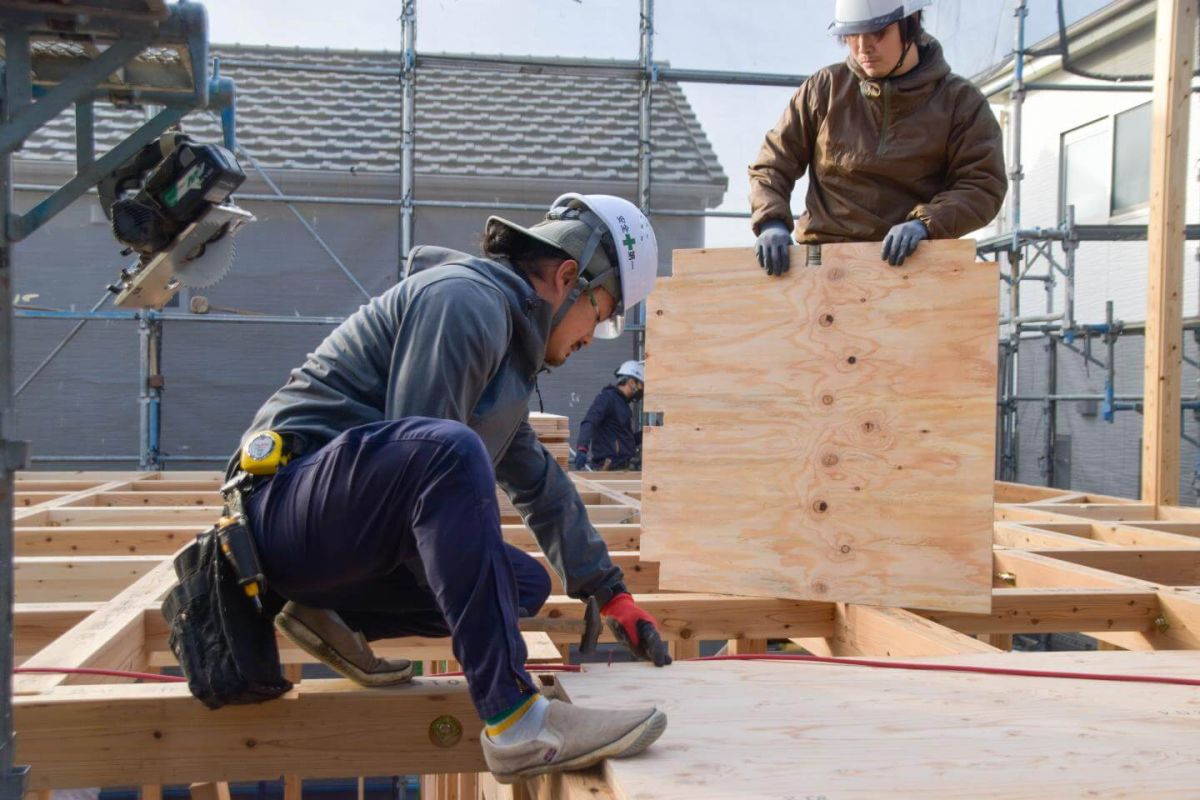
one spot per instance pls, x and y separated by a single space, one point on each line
885 123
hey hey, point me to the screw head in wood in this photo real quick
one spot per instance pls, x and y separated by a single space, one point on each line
445 731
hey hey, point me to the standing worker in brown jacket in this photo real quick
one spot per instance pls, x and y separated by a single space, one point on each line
897 148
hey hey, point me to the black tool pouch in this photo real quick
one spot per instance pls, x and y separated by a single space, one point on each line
224 645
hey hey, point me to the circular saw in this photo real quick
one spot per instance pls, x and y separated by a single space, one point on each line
199 257
171 204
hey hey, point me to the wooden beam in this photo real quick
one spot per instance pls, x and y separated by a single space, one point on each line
1058 611
78 496
114 538
1033 571
1034 537
540 649
203 516
681 617
600 488
37 625
696 617
84 578
113 637
1166 567
1174 43
871 631
101 541
589 784
160 734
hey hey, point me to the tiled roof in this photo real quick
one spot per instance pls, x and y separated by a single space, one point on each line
494 123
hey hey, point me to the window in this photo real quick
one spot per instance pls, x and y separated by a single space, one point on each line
1085 154
1131 159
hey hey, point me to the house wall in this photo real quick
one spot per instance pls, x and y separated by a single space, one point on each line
1103 457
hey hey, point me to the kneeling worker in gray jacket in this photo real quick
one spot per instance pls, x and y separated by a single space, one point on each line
384 522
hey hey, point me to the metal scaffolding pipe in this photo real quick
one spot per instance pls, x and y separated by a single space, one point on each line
408 127
1016 101
582 67
646 59
149 349
12 458
132 316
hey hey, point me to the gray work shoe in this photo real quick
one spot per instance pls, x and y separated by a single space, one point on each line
574 738
325 636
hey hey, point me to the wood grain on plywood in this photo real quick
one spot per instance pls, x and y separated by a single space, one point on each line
773 731
855 404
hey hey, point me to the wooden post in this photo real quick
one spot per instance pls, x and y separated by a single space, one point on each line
210 791
1174 40
293 785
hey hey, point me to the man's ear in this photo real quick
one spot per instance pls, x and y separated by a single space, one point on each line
566 273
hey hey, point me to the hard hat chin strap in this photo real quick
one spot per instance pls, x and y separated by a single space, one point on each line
581 286
900 63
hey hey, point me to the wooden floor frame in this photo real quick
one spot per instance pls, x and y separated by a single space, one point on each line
93 561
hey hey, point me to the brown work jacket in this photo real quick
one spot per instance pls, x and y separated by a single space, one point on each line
924 145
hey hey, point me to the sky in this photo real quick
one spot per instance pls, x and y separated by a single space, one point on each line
784 36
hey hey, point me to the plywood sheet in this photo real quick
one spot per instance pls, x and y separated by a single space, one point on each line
782 731
827 435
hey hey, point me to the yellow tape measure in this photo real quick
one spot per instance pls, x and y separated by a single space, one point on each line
263 453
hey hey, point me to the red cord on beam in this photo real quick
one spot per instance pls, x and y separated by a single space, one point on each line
787 657
110 673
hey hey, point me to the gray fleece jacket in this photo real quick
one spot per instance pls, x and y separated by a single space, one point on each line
460 338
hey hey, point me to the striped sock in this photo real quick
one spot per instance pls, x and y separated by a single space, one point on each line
520 723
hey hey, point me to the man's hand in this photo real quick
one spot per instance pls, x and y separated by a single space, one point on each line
636 629
901 241
581 454
772 247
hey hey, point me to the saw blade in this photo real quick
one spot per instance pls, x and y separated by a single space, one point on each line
213 261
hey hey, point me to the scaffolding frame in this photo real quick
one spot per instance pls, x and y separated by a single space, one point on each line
643 71
1021 250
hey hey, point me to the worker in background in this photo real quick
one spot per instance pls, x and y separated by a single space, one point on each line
606 436
896 147
385 522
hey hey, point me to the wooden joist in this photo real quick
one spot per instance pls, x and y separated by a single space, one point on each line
1064 562
158 733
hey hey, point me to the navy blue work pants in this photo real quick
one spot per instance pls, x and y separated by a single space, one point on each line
395 526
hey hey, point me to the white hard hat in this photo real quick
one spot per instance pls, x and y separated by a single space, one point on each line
867 16
632 369
632 241
597 230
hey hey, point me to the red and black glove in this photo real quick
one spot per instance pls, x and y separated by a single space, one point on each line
636 629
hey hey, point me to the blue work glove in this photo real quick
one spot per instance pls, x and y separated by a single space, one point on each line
581 458
901 241
772 247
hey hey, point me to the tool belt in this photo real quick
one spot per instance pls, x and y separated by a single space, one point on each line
223 638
